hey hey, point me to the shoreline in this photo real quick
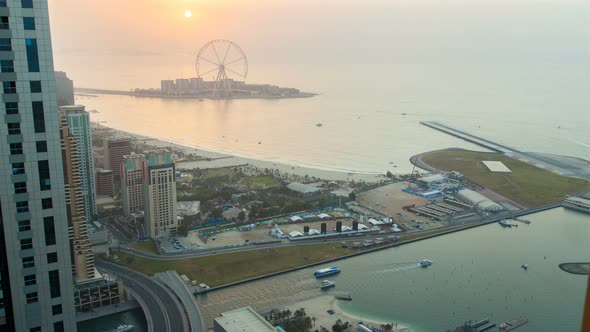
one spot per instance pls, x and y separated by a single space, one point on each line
318 306
220 159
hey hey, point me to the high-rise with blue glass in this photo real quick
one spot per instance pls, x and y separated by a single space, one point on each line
36 286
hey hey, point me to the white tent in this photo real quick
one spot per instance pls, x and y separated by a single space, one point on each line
361 226
296 218
375 222
295 234
346 228
323 215
314 232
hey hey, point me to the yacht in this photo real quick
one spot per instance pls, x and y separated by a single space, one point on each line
327 284
326 272
505 223
425 262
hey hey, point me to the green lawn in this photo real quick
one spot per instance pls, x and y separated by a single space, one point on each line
222 269
261 181
527 185
219 172
147 246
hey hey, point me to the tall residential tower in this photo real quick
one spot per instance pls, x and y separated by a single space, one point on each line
36 285
79 123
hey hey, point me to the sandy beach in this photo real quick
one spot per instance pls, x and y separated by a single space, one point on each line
318 307
213 159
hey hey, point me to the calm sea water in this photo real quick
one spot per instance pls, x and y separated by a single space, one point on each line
476 274
370 114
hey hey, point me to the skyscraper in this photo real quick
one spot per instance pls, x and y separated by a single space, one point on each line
116 149
35 259
64 88
78 121
132 183
160 194
148 184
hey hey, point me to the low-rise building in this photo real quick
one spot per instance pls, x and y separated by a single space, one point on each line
243 320
98 292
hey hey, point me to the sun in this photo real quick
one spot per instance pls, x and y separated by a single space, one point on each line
188 14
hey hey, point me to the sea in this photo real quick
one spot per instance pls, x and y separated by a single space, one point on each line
370 114
370 118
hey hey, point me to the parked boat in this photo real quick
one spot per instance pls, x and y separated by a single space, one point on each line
505 223
525 266
425 262
346 297
327 284
326 272
513 324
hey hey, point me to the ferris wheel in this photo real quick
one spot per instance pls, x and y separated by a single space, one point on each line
222 61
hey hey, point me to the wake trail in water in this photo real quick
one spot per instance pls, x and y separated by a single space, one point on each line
399 267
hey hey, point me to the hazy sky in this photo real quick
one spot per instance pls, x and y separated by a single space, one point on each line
95 39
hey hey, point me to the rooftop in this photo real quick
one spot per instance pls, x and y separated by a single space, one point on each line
244 320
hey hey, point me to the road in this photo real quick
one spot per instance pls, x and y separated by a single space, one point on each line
212 252
162 309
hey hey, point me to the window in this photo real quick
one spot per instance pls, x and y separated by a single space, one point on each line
27 3
9 86
44 178
56 309
54 287
16 148
20 187
17 168
22 207
49 226
13 128
11 108
29 23
2 3
26 244
30 280
51 257
32 55
58 326
35 86
32 298
5 44
47 203
4 23
38 117
7 66
28 262
24 225
41 146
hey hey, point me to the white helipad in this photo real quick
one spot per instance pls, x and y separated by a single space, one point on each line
497 166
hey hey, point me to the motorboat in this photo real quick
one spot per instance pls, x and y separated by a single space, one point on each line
505 223
525 266
123 328
425 262
326 272
327 284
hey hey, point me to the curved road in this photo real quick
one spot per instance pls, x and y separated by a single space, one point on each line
164 312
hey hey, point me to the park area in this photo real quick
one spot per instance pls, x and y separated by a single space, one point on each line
526 185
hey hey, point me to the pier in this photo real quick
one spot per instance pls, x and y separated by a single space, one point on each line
524 221
559 166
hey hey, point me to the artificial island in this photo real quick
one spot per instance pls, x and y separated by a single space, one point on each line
221 68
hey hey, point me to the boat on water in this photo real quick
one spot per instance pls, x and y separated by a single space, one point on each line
505 223
326 271
327 284
123 328
525 266
513 324
425 262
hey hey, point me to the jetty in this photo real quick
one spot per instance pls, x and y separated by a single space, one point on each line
559 166
524 221
513 324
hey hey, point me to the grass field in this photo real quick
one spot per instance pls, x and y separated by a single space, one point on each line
222 269
218 173
260 181
526 185
147 246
